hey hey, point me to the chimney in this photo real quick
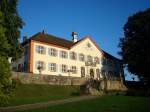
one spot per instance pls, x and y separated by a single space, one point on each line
74 37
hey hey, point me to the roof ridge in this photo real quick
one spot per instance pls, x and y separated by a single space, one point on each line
59 37
67 43
110 55
34 35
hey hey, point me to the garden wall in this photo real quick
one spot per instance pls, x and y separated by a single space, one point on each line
28 78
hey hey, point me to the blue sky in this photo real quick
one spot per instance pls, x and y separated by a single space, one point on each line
103 20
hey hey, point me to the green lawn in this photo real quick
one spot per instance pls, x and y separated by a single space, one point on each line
31 93
103 104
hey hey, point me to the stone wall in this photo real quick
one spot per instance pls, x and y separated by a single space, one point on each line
28 78
114 85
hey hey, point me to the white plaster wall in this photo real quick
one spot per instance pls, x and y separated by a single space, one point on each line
80 48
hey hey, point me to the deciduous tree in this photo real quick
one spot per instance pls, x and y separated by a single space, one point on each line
135 46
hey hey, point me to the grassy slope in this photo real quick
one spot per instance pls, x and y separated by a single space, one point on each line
103 104
31 93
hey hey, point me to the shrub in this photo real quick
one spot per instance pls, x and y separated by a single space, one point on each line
5 81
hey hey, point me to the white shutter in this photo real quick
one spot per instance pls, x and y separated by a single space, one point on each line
36 64
44 50
36 49
60 68
56 67
44 65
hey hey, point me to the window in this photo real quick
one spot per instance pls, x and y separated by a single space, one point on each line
52 67
96 59
64 68
111 62
82 71
74 69
63 54
40 49
116 75
110 75
52 52
118 65
89 58
81 57
103 73
98 73
40 65
88 45
104 61
73 55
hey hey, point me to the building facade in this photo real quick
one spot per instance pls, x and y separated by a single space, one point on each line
50 55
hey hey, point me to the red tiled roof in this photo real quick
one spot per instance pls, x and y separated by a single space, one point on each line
51 39
108 56
46 38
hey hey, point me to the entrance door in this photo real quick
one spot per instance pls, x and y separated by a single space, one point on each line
82 71
91 73
98 73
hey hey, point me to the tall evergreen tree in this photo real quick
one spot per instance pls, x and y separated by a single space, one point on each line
4 46
10 24
135 49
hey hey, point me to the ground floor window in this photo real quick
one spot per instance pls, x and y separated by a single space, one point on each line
103 72
40 66
52 67
82 71
74 69
110 75
64 68
98 73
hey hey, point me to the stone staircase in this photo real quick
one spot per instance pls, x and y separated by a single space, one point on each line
95 92
92 87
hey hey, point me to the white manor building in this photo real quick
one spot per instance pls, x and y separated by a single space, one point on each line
49 55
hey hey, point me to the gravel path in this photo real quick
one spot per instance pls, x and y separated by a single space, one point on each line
45 104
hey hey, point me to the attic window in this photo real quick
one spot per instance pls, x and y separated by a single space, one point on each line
88 45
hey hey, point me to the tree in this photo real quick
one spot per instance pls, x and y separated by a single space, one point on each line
135 49
6 85
10 24
4 46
